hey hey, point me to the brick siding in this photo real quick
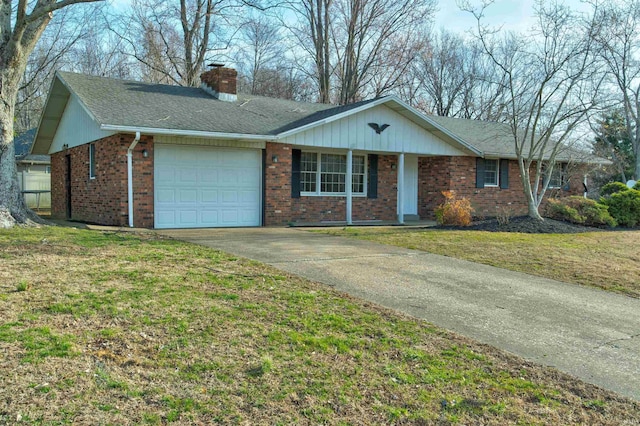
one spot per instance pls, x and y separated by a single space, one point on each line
281 209
103 199
437 174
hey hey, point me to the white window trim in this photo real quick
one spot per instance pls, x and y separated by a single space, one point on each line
92 160
319 173
497 184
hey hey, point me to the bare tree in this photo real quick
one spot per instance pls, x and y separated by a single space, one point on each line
261 51
551 85
313 36
21 26
173 40
74 41
359 47
620 41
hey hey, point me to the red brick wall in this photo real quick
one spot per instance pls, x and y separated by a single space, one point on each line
277 186
220 79
437 174
103 200
281 209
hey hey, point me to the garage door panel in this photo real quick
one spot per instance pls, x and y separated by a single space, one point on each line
249 197
189 196
209 196
188 217
208 175
165 195
209 217
206 187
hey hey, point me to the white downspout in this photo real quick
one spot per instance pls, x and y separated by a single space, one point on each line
348 187
401 189
130 176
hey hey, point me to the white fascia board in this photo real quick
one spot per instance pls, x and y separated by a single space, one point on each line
189 133
333 118
42 115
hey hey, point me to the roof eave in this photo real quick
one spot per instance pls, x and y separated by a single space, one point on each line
185 133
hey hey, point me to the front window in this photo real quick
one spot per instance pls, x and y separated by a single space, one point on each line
324 173
491 172
308 172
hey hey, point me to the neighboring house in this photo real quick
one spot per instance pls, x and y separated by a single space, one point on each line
34 171
151 155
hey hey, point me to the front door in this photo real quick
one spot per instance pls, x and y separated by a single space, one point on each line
410 185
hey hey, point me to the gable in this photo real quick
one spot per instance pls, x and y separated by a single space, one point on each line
76 127
353 132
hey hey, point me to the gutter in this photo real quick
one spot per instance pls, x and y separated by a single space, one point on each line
130 176
191 133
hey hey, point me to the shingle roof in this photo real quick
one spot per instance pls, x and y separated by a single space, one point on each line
137 104
496 139
22 142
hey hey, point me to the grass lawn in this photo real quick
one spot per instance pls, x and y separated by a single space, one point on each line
115 328
608 260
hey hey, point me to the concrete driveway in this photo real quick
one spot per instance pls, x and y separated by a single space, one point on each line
591 334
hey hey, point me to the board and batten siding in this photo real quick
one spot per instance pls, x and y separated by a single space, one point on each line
179 140
353 132
76 127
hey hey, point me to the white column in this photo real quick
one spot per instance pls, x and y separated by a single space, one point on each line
349 186
401 189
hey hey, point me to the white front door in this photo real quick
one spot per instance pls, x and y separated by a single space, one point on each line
200 186
410 184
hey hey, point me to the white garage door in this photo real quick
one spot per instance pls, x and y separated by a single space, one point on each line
198 187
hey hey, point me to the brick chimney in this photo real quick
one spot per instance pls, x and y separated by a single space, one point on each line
220 82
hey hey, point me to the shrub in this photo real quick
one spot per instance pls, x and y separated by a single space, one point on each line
624 206
454 211
613 188
636 186
580 210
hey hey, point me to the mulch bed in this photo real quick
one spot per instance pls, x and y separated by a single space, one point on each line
525 224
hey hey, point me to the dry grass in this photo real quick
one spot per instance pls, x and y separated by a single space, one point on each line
608 260
106 328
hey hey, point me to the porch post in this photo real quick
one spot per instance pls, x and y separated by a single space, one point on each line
349 186
401 188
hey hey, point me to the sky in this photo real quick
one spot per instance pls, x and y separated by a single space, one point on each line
508 14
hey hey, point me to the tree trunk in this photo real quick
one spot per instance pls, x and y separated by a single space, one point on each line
13 209
525 177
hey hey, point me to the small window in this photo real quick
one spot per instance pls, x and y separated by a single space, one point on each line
557 179
47 170
92 161
490 172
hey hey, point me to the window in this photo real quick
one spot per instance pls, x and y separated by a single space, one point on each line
92 161
308 172
490 172
324 173
47 170
558 178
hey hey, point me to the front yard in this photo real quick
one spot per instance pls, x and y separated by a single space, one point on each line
113 328
608 260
